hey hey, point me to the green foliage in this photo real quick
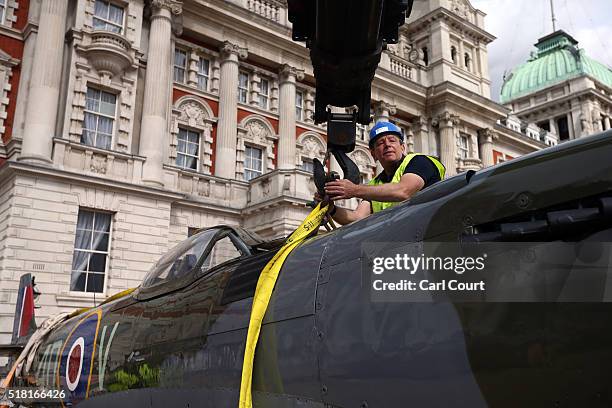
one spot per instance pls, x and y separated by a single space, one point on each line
123 381
146 377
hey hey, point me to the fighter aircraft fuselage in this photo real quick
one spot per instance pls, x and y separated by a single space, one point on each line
179 339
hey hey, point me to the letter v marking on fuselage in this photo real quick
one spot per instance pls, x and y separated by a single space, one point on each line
103 358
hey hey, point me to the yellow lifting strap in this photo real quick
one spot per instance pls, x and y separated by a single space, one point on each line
263 293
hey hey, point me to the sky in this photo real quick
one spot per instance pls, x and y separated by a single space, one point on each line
518 24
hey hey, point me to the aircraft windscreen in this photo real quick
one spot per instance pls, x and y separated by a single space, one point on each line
179 260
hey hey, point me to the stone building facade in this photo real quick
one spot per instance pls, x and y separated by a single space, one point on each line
127 125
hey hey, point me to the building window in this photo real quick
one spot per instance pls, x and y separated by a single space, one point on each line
253 162
454 54
299 105
562 126
544 125
180 65
107 17
100 110
425 55
468 61
362 133
307 165
91 248
2 11
264 93
188 149
243 87
363 178
463 146
203 73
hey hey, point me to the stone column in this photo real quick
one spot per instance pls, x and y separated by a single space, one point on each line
553 127
461 59
596 119
409 140
27 64
446 122
286 120
483 66
487 136
421 135
225 152
44 91
154 129
570 126
606 123
383 111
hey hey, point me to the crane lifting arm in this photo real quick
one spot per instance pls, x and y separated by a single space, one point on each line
346 39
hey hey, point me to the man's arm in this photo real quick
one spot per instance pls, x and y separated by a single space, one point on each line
408 185
344 216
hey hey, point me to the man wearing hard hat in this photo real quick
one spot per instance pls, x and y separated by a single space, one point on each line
403 175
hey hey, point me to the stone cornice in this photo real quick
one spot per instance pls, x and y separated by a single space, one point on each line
449 93
558 101
274 202
470 29
517 139
11 32
14 168
223 13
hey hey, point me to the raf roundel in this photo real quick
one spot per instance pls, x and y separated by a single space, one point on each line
74 364
77 359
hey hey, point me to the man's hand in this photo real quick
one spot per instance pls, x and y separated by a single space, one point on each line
341 189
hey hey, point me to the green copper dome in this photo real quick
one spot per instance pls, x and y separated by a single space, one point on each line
557 59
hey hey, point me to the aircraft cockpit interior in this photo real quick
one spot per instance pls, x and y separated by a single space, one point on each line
196 256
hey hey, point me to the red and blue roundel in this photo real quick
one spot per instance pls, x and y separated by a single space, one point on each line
77 358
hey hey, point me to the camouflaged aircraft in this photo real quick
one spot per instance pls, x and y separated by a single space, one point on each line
179 338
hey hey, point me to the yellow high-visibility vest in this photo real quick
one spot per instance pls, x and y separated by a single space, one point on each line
381 205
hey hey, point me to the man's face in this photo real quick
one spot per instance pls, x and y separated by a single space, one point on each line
387 149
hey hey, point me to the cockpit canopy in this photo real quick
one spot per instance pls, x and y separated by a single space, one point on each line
199 254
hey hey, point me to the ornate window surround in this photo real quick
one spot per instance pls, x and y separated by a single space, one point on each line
255 74
6 71
194 52
255 130
120 4
362 158
310 145
193 113
130 18
122 133
10 15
